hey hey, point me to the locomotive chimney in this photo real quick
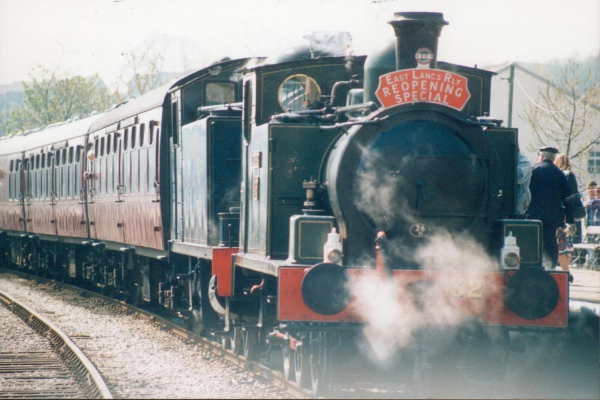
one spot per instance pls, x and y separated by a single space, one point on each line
417 32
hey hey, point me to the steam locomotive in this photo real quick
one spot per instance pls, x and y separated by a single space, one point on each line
252 197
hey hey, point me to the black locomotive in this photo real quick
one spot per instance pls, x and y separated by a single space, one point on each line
251 196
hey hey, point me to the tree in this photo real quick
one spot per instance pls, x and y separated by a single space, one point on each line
563 114
54 97
146 72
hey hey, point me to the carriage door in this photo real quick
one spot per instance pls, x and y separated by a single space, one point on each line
91 183
26 189
80 190
176 170
120 179
51 189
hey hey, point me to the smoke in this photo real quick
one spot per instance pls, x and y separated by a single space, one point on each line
379 184
444 287
397 310
324 43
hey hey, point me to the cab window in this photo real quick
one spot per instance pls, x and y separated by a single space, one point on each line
219 93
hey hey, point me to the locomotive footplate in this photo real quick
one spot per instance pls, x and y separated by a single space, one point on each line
517 298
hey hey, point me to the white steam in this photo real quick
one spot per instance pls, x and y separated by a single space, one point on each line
395 310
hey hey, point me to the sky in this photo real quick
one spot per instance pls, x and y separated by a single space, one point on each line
85 37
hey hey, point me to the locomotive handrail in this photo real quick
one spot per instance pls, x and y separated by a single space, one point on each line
372 105
217 106
449 214
353 123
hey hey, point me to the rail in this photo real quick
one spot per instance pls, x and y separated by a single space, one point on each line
276 378
86 374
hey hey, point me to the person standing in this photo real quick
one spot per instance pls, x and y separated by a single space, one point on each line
549 189
591 203
523 181
565 233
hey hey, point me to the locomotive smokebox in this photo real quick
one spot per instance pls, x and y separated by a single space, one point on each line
417 36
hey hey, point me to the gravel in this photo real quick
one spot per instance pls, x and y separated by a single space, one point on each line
137 359
20 343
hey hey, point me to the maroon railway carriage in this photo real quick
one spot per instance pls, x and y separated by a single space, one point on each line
84 200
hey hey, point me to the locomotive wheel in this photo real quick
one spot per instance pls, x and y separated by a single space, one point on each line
289 360
251 345
226 341
481 346
301 366
319 377
422 372
194 322
235 339
64 275
137 296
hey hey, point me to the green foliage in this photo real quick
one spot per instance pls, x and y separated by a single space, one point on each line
54 97
146 72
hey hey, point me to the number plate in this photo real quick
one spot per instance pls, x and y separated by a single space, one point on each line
420 230
470 288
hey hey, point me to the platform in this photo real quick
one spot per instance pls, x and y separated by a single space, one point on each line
585 286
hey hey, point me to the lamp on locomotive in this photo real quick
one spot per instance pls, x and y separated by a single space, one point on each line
510 253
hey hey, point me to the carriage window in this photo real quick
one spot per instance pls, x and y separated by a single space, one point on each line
71 155
298 92
152 149
64 157
70 181
126 139
37 162
11 176
133 135
96 148
142 126
101 147
41 183
109 174
102 182
77 178
63 182
219 93
143 170
17 179
26 177
43 162
78 153
126 173
134 172
151 133
116 142
49 185
108 144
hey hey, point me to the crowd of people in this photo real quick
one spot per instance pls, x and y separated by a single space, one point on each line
542 191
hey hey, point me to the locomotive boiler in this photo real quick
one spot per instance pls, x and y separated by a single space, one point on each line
253 198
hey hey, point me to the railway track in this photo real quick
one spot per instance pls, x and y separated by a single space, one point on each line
355 382
261 371
61 371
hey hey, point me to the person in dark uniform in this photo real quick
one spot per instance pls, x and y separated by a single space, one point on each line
549 189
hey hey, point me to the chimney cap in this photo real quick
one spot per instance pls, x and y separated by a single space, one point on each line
422 17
